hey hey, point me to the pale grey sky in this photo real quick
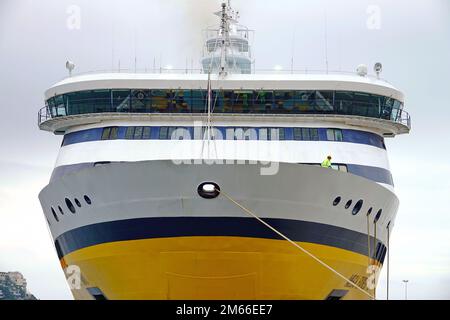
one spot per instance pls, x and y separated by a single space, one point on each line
411 39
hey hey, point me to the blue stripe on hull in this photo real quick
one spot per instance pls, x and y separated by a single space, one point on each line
169 227
348 135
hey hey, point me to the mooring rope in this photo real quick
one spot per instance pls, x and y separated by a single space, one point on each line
296 244
388 263
368 242
375 252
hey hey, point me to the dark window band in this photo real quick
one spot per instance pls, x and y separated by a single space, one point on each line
230 133
225 101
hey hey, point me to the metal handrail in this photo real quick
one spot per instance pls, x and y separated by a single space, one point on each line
170 70
401 117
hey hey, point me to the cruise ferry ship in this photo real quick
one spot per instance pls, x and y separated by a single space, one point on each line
206 185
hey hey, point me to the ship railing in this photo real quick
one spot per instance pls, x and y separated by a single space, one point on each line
277 70
403 118
195 106
44 115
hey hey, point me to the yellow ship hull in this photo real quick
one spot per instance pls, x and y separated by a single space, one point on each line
213 268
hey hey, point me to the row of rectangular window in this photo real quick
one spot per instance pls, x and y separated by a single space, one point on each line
185 133
229 101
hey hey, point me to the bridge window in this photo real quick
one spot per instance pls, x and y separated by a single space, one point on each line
241 134
306 134
271 134
164 133
93 101
324 101
106 133
141 101
231 133
226 101
121 100
264 134
174 133
170 133
283 101
334 135
263 101
278 134
129 134
242 101
365 104
138 133
199 101
146 133
110 133
183 101
160 101
114 133
304 102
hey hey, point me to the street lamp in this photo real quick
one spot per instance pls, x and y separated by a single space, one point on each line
406 288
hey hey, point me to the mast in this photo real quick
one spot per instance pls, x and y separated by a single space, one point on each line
227 45
225 19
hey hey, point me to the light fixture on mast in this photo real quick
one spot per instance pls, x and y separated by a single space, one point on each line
70 66
378 68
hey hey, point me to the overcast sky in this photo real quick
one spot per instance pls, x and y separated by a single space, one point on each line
410 37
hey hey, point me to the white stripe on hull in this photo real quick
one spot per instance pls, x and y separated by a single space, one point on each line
274 151
162 189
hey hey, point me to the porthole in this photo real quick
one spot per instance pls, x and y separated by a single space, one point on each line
60 210
337 201
54 215
377 217
78 203
357 207
70 206
369 212
88 200
208 190
348 204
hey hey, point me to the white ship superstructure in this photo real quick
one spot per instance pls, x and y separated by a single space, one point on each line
125 203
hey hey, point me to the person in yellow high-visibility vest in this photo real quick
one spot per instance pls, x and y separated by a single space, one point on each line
326 163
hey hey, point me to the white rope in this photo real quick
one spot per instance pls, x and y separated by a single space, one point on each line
388 264
368 242
296 245
210 109
375 251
